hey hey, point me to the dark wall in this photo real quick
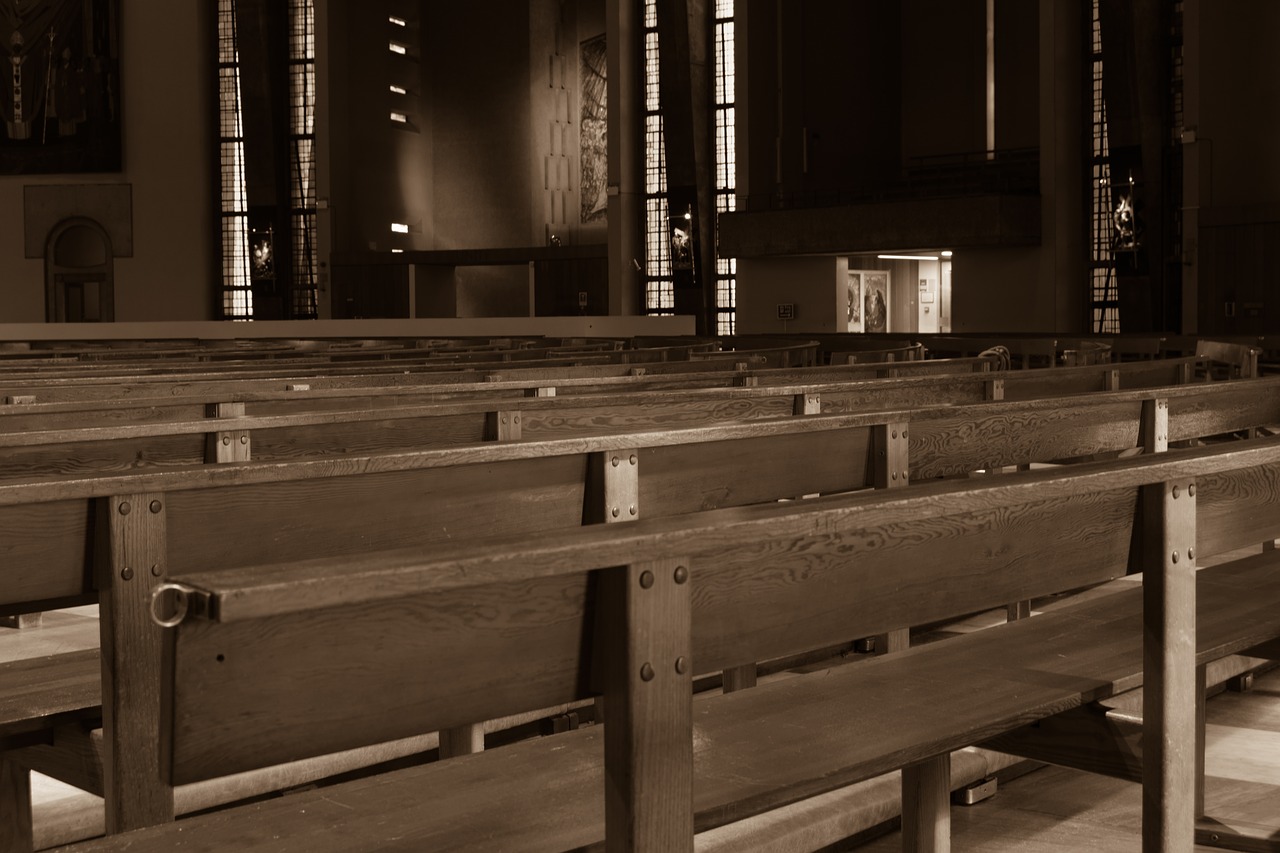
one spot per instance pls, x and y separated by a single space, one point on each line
944 77
477 68
1017 74
1239 168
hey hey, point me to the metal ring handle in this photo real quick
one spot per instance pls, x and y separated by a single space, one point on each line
181 601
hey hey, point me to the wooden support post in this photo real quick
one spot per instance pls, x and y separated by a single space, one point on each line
130 562
808 404
1113 380
738 678
1153 432
22 620
1202 688
15 808
1018 610
227 445
1187 374
468 739
644 617
503 426
614 480
890 463
1169 667
994 389
461 740
926 806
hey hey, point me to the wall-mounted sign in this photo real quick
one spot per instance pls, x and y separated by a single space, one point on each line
786 310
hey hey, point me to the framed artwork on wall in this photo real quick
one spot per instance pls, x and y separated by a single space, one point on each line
875 301
60 87
854 302
594 162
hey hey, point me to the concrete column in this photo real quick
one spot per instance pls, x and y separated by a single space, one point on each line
1192 172
1063 177
624 35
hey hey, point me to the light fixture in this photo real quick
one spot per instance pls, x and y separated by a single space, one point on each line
907 257
399 22
400 117
397 47
946 253
397 251
399 228
399 90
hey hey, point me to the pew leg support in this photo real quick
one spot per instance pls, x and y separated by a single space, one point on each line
462 740
22 620
738 678
897 640
15 808
926 806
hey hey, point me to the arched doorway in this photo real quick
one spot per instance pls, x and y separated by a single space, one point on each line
79 273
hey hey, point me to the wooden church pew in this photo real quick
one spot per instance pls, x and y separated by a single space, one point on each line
274 662
340 504
26 449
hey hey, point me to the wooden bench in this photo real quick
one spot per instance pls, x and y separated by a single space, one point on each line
26 449
275 662
347 505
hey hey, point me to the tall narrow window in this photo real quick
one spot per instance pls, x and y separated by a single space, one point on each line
659 284
237 297
300 241
302 159
726 162
1103 288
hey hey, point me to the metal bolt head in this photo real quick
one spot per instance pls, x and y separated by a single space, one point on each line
633 509
244 439
1175 556
1191 553
1177 492
616 462
682 574
615 512
156 506
126 573
895 433
1191 490
894 475
904 433
633 459
504 420
646 579
516 419
904 475
226 440
682 665
155 570
125 508
646 672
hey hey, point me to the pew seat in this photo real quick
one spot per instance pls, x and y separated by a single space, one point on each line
760 749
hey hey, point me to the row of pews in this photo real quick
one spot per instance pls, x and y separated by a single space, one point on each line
349 559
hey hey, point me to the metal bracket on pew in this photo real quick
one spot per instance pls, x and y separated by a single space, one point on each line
228 445
644 619
1113 380
20 399
994 389
540 392
130 562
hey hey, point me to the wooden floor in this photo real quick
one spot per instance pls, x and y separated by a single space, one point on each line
1050 809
